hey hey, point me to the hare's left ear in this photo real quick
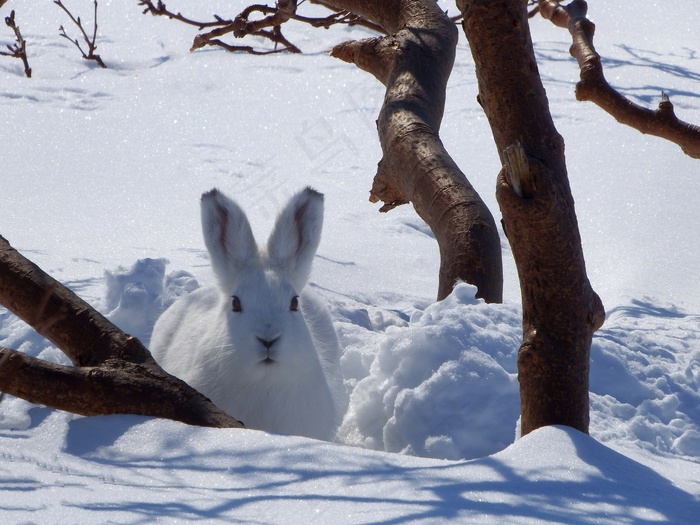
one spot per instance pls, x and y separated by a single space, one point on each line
296 235
228 237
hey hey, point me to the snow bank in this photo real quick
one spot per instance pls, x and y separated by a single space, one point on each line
130 469
443 386
645 378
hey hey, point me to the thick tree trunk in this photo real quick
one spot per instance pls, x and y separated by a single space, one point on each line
114 372
414 63
560 309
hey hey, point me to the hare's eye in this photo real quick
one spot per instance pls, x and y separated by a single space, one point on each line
295 304
236 304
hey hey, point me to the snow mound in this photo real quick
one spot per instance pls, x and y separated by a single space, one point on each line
135 297
444 386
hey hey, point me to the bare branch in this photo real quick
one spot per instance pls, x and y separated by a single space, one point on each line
240 26
19 50
160 9
243 26
197 44
593 86
92 47
268 27
339 16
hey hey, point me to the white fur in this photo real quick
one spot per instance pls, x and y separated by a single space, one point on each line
222 353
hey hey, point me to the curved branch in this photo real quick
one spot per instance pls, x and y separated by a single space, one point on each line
414 63
593 86
114 372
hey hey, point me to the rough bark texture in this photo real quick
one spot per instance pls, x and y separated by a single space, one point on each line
414 63
560 309
114 372
593 86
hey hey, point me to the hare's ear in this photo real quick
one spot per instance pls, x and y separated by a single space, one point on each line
228 237
296 235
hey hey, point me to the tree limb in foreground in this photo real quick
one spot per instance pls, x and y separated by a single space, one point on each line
113 373
593 86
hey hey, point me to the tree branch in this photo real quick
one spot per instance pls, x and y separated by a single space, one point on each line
113 373
593 86
160 9
414 63
243 26
92 47
268 27
19 50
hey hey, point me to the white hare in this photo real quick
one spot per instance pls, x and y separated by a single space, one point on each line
258 345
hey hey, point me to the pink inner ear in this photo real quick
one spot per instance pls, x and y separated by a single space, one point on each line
299 223
223 221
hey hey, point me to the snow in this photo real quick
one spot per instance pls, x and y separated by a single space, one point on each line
101 176
140 471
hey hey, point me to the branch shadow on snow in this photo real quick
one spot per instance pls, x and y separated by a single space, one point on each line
656 63
639 309
551 475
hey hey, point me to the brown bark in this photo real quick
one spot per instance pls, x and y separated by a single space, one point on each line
114 372
414 63
593 86
560 309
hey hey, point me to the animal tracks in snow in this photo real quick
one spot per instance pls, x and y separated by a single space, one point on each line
73 98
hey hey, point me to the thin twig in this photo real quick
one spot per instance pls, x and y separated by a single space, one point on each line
18 50
90 55
160 9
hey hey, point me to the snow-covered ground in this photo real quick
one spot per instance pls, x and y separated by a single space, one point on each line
102 168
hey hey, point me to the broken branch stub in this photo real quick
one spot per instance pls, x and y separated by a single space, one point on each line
517 171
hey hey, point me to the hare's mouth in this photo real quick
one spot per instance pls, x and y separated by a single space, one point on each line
268 361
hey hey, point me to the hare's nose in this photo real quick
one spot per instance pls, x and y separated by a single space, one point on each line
267 343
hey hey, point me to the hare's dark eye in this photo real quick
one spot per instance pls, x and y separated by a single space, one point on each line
295 304
236 304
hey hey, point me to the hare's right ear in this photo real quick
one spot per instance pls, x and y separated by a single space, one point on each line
228 237
297 233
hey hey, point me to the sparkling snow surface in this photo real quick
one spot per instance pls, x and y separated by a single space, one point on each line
101 174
